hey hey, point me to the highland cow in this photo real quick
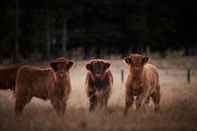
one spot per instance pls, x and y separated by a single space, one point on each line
98 82
51 83
142 82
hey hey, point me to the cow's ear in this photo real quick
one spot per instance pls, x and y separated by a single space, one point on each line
145 59
53 65
89 66
107 65
69 65
127 60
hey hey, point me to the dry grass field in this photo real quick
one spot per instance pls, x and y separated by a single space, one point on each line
178 104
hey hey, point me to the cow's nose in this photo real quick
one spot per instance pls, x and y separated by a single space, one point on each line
98 75
61 74
136 67
98 93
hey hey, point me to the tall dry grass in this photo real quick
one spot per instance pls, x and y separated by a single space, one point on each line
178 106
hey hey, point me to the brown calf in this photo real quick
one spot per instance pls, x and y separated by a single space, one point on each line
98 82
52 83
142 82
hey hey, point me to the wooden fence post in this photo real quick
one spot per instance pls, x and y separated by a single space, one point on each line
122 75
188 75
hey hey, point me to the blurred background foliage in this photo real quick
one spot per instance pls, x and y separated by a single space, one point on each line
43 29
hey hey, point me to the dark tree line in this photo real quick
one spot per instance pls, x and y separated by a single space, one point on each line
53 28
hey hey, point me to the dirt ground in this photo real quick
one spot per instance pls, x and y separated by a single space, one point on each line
178 105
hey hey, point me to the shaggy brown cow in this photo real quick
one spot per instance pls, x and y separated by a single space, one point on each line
52 83
142 82
98 82
8 76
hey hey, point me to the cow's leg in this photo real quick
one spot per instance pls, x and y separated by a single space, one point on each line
62 107
92 102
100 99
139 101
22 98
147 100
20 104
156 100
144 97
105 101
106 98
58 105
128 103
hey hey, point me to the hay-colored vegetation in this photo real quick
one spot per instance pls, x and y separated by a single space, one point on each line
178 105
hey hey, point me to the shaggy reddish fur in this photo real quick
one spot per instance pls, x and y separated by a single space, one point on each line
99 81
51 83
142 82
